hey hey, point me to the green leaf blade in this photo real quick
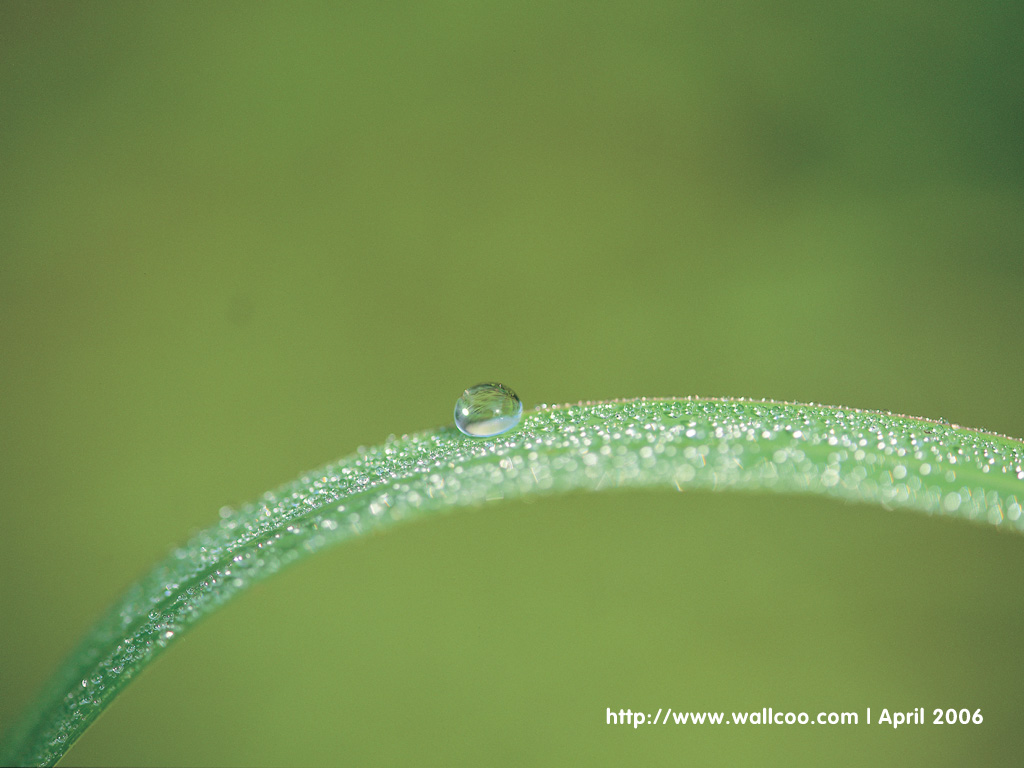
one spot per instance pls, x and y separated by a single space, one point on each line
681 444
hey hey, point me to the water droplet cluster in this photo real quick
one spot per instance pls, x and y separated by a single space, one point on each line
682 444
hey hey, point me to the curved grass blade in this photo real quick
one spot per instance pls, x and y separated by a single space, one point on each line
718 444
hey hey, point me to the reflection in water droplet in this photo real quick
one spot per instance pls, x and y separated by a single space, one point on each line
486 410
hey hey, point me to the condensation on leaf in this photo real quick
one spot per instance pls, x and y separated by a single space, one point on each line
681 444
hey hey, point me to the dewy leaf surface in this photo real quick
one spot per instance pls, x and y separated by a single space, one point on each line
896 461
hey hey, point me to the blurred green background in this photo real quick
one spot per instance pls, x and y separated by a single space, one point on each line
239 240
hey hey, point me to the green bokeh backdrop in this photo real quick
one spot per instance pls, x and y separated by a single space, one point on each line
239 240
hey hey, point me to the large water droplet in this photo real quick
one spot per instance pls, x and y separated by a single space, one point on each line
486 410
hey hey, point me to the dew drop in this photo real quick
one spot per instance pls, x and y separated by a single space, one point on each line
486 410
